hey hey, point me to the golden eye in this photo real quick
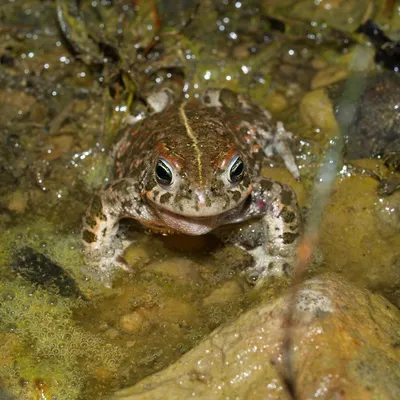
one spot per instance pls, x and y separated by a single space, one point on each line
163 172
236 169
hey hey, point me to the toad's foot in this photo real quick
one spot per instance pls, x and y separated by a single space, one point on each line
281 144
272 235
103 247
103 263
156 101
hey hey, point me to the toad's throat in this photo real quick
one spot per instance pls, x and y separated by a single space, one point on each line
187 225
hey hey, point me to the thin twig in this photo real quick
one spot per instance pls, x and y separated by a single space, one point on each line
322 193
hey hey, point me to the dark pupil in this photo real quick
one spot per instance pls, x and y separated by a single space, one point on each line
237 170
163 173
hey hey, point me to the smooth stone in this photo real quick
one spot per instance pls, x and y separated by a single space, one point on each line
329 75
345 340
137 255
181 270
132 323
176 311
229 291
17 202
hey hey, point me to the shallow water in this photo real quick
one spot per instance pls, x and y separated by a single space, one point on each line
57 121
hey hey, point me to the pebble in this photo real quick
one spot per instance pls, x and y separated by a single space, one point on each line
329 75
132 323
177 311
182 270
276 103
136 255
316 110
229 291
17 202
387 212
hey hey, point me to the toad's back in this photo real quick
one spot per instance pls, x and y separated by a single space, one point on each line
197 137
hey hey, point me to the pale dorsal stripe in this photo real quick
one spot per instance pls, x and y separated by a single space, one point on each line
193 138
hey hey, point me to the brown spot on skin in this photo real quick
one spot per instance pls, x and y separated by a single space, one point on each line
236 195
287 197
88 237
97 208
208 201
246 180
270 265
104 232
229 99
185 192
207 99
286 268
164 198
289 237
217 186
90 221
267 185
150 184
288 216
227 201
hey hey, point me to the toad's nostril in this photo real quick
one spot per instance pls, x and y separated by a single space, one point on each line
201 198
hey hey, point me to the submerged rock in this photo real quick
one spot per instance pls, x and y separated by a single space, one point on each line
345 345
41 271
180 270
360 233
133 322
375 128
229 291
374 131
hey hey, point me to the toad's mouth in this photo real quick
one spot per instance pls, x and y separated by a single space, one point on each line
193 226
210 217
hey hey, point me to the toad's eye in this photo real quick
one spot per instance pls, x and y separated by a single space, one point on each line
163 172
236 169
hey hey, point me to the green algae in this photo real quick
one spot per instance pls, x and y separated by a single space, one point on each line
54 349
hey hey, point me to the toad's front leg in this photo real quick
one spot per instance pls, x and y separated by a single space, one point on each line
100 224
271 240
